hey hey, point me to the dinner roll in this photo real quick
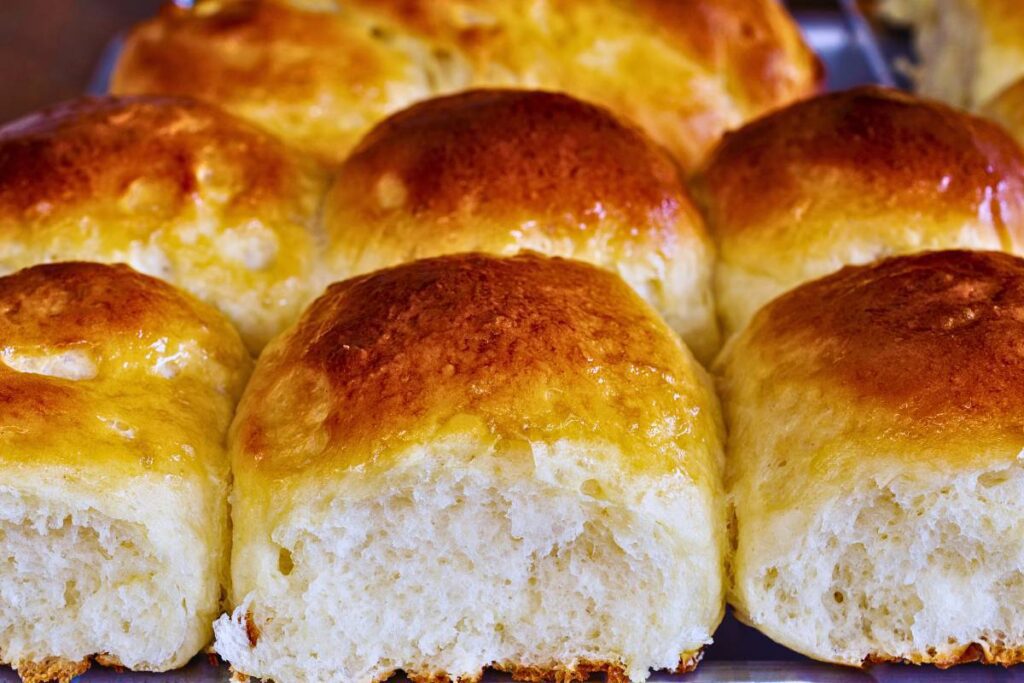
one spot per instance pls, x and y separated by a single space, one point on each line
116 391
874 462
848 178
174 188
504 170
320 73
475 461
1008 109
969 50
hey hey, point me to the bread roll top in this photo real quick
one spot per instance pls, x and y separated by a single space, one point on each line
94 149
918 356
868 153
491 164
524 351
103 366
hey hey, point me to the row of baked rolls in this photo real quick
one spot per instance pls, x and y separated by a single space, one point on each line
456 463
320 73
184 192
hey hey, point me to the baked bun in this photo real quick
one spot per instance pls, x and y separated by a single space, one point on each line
969 50
874 462
505 170
685 70
475 461
174 188
1007 108
116 391
848 178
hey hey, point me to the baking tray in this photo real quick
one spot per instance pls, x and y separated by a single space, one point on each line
853 55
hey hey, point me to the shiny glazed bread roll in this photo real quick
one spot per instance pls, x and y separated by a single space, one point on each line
504 170
874 462
319 74
475 461
969 49
172 187
848 178
116 391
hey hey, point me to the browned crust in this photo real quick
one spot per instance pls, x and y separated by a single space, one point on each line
74 303
93 149
527 345
51 669
867 151
934 337
499 153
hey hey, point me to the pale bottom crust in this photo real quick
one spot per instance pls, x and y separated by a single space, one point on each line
984 653
580 670
61 670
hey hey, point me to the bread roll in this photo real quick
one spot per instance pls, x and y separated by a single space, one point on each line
116 391
174 188
504 170
874 462
1007 108
475 461
969 50
319 74
848 178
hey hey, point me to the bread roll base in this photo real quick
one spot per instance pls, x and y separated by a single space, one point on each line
469 557
936 587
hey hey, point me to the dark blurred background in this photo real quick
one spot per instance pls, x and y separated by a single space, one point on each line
49 48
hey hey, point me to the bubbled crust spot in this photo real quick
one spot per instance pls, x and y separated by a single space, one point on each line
508 153
96 148
871 148
934 338
527 347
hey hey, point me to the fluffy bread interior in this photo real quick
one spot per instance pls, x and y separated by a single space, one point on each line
897 571
75 583
458 562
126 572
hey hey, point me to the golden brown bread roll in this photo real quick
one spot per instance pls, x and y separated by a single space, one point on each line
172 187
969 50
116 391
874 462
468 459
685 70
850 177
505 170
